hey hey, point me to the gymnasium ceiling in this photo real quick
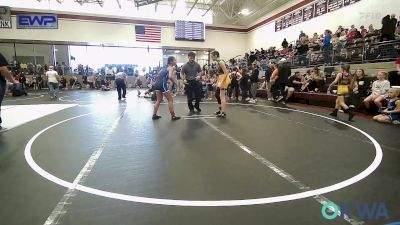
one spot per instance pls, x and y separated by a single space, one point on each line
229 11
223 12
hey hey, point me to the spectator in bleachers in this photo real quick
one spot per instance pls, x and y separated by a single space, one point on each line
363 31
397 35
352 34
360 89
385 32
317 80
327 47
344 81
295 83
392 112
339 30
315 38
371 29
302 34
302 51
393 26
285 44
379 91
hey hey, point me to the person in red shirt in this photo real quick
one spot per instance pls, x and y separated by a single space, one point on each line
352 34
363 31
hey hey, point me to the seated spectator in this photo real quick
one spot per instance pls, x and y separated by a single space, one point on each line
317 80
343 37
379 91
363 31
397 32
360 89
352 34
339 30
371 29
392 112
315 37
295 83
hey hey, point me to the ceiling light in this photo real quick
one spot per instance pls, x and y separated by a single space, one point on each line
245 12
177 51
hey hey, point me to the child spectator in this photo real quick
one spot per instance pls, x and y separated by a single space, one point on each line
379 90
392 112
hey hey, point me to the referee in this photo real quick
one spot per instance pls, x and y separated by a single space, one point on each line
191 73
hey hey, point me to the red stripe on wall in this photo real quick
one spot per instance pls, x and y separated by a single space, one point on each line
284 12
169 24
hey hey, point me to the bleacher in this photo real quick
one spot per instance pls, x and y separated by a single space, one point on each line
322 98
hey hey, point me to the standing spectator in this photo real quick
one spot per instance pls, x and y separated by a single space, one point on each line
386 22
234 88
181 84
302 34
302 51
379 91
5 74
39 80
254 82
244 84
53 79
285 44
90 80
267 76
327 47
34 82
393 26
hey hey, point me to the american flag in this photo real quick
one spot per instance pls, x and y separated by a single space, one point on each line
148 33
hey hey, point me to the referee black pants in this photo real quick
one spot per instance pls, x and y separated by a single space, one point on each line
121 87
193 91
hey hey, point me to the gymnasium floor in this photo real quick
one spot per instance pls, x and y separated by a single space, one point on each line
88 159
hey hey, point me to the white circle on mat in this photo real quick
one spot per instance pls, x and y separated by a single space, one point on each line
216 203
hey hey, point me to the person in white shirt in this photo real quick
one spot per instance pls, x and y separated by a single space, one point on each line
120 81
53 81
379 90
